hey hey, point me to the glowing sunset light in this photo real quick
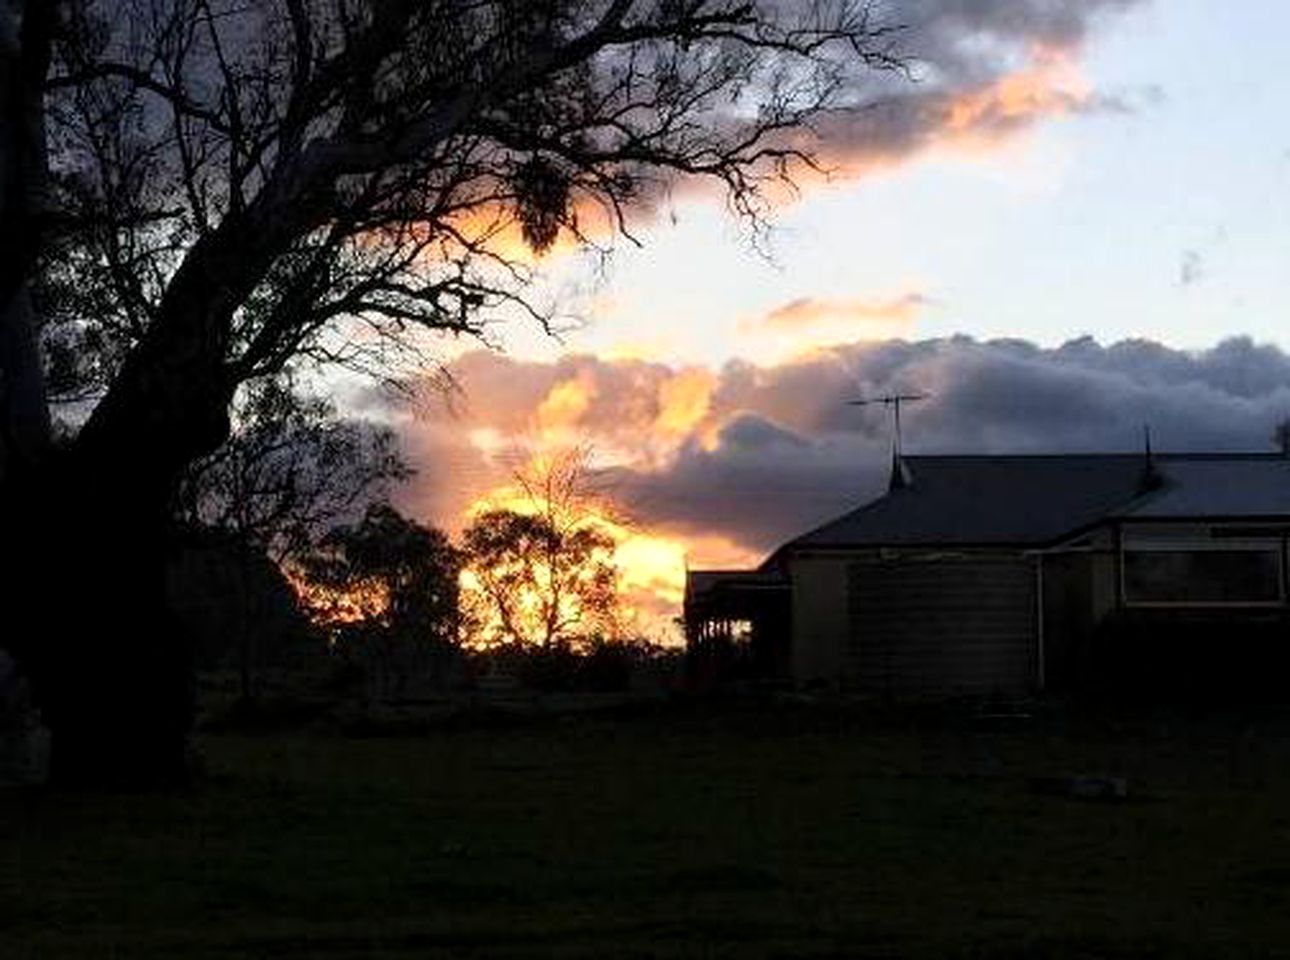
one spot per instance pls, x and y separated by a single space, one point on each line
1054 217
684 401
332 607
495 225
565 405
654 564
650 568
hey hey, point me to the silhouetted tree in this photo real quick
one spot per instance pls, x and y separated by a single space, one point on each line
236 185
534 583
540 570
237 608
387 587
291 470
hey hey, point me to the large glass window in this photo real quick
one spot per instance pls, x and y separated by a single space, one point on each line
1202 576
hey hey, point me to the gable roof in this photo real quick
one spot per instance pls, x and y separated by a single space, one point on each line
1027 500
1219 486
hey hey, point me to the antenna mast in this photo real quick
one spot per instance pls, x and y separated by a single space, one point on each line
893 402
899 478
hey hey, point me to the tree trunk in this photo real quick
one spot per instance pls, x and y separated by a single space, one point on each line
109 665
120 715
25 37
113 673
89 525
25 427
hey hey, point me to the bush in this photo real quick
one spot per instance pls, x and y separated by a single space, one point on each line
602 666
549 670
608 667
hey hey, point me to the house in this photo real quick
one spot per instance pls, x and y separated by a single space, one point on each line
979 575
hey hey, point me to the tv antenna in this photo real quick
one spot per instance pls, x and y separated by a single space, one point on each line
892 401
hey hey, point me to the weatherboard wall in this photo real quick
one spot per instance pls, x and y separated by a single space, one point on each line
819 621
917 623
943 624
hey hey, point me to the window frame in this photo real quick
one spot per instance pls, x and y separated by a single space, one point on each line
1218 542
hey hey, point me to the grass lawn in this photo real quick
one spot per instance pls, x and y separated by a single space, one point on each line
740 834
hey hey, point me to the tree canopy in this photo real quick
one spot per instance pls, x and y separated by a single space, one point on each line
538 564
386 572
534 582
195 194
229 186
292 469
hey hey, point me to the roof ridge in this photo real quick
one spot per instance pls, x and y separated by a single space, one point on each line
1020 498
1105 455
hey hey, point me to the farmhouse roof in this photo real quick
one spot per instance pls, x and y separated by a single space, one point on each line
1029 500
704 584
1230 486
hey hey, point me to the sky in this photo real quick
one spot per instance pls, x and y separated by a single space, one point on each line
1163 213
1073 222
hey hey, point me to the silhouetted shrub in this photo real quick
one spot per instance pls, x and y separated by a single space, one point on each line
607 667
600 666
549 669
346 677
265 715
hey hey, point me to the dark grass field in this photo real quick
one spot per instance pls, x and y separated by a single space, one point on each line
748 833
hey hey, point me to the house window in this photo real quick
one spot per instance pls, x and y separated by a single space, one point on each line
1202 576
735 632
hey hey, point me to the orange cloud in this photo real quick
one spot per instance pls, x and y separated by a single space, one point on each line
925 119
868 318
565 404
808 310
903 122
684 401
1050 86
629 414
988 71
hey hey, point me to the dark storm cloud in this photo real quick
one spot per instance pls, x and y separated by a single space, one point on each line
773 450
981 69
755 495
949 31
1002 396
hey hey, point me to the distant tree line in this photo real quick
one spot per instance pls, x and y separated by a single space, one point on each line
292 552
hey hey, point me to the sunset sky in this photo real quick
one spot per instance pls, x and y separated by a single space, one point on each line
1072 221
